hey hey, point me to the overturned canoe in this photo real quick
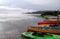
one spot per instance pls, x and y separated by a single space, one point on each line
44 30
47 23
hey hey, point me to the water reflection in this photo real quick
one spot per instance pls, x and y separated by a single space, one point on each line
12 25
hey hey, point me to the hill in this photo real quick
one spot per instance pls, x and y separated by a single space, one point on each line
43 13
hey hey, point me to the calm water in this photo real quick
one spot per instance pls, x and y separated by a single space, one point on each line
12 25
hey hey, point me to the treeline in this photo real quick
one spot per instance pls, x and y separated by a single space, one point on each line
54 13
45 12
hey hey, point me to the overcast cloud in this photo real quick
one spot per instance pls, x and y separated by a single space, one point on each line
25 5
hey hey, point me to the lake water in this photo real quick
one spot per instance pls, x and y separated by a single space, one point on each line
12 25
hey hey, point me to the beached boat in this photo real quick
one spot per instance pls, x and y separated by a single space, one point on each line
55 29
38 35
47 23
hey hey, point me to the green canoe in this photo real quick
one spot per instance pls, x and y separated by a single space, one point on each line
37 35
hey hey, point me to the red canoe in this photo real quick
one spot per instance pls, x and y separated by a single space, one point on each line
50 22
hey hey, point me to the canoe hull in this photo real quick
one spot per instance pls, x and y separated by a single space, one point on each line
43 30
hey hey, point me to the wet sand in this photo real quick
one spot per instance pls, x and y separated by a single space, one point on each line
12 29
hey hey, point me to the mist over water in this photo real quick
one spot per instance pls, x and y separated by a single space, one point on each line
12 25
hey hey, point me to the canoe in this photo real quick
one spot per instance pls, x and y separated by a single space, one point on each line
44 29
48 23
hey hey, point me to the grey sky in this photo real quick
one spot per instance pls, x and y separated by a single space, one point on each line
15 8
32 4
